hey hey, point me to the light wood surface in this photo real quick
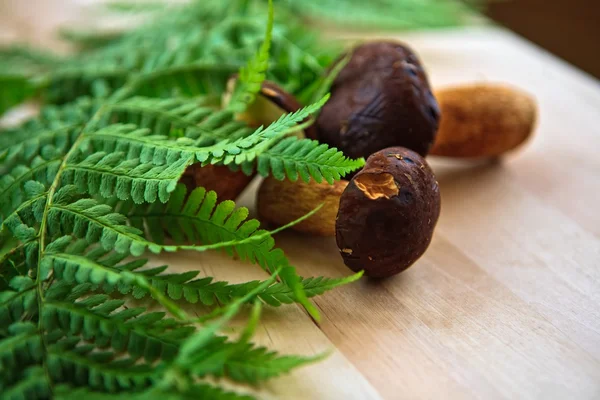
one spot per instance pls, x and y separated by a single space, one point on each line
506 302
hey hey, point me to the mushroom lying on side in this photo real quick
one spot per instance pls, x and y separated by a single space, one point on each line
483 120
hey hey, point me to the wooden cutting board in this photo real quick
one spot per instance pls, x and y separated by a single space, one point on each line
506 302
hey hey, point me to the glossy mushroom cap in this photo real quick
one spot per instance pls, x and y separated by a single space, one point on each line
381 98
388 213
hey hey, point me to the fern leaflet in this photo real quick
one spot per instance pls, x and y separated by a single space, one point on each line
306 158
253 74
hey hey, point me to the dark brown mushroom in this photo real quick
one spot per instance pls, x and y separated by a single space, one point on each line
388 213
381 98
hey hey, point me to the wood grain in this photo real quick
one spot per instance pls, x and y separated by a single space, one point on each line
506 302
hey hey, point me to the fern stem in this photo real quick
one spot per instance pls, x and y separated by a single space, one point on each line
179 121
299 127
42 238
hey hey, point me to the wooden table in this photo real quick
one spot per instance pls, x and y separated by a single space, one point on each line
506 302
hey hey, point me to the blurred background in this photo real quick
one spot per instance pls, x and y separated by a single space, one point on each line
568 28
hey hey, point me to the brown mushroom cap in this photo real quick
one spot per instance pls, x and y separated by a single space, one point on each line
381 98
387 213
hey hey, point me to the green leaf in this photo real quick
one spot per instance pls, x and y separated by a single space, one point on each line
70 360
387 14
34 384
176 117
197 218
253 74
256 364
292 158
92 181
96 222
203 337
185 286
248 148
20 303
127 330
21 348
113 174
12 185
15 89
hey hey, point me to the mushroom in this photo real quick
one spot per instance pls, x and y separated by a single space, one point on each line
483 120
381 98
280 202
387 213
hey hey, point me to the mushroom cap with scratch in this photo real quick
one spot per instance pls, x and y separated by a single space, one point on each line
388 212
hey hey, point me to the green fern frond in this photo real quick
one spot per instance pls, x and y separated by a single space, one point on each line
47 144
140 56
21 348
86 40
254 73
293 157
12 185
15 89
243 362
135 143
256 364
96 222
184 286
111 174
198 78
198 218
247 149
50 118
69 264
18 69
72 361
384 14
279 294
130 330
167 117
16 257
21 217
20 303
192 118
33 385
92 183
20 58
128 7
